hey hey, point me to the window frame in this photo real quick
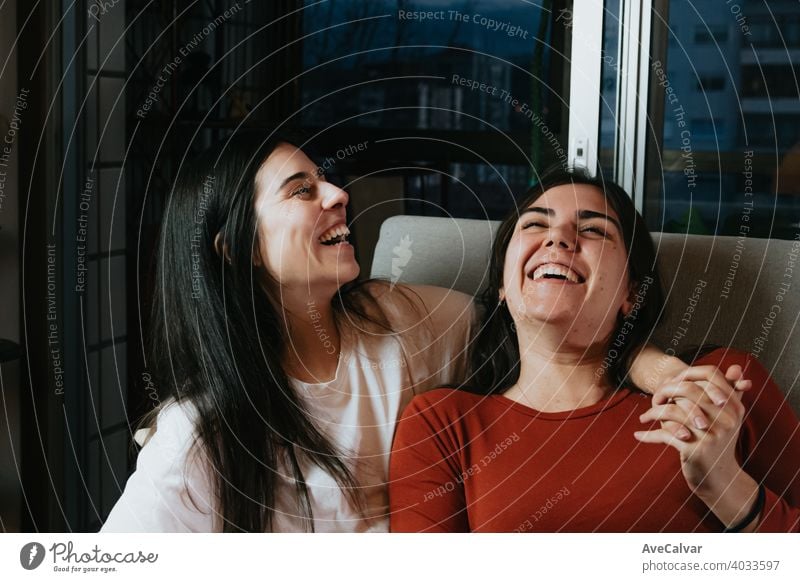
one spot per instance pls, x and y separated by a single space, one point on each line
643 27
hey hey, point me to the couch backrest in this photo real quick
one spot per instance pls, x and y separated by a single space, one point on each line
729 291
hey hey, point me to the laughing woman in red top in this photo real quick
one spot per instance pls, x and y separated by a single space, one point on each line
552 436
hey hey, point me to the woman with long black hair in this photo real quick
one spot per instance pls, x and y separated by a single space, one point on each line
287 377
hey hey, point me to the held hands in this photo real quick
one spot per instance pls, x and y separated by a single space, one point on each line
706 413
701 415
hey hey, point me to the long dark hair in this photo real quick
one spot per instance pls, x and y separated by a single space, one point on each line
494 355
218 339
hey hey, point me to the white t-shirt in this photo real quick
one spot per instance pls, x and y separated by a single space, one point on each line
377 376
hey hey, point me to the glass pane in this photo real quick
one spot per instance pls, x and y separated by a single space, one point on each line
439 65
608 88
362 58
731 140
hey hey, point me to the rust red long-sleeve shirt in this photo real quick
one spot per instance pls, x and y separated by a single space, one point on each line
464 462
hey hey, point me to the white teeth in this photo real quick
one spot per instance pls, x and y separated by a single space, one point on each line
553 269
340 230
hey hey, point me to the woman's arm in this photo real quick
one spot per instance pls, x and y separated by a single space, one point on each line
750 442
435 326
769 448
426 490
170 490
652 368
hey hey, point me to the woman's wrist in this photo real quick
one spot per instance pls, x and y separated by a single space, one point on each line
750 522
732 500
652 367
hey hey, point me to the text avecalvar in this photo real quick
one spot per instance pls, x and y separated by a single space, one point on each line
671 549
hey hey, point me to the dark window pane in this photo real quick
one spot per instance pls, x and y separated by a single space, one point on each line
710 34
608 97
710 83
731 123
479 75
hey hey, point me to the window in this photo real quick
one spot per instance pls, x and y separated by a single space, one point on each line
480 74
730 138
708 83
781 32
704 128
610 78
674 37
395 69
709 34
762 81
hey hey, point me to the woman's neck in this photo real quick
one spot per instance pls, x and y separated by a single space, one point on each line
557 376
313 344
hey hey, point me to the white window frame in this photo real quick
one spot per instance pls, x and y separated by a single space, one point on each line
633 77
584 85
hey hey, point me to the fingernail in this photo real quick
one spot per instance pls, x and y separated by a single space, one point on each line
684 434
700 422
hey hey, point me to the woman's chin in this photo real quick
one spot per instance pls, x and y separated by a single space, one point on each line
546 312
346 272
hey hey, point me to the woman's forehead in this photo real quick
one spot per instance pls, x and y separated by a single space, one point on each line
285 160
571 198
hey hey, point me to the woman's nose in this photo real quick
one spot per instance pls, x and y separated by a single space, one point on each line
558 238
333 196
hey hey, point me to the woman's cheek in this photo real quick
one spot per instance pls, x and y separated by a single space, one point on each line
289 210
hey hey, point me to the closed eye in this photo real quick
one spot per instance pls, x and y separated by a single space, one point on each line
533 224
300 192
306 186
595 230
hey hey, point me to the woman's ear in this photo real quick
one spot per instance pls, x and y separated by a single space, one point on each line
256 254
630 300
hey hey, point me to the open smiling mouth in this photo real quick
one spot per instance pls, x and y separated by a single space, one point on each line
555 272
335 236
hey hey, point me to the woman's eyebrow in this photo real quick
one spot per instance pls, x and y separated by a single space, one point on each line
584 214
538 210
295 176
